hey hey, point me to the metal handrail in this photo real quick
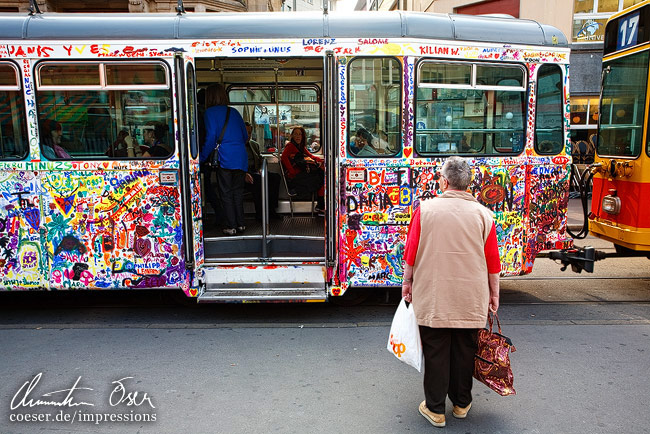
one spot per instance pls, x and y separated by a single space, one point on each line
265 207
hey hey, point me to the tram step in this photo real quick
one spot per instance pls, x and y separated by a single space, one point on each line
256 294
264 282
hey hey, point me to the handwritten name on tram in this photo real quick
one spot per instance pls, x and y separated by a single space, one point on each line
102 50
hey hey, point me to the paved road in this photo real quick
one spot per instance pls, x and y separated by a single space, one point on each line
581 365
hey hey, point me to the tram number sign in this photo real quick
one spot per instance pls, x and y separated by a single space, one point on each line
628 31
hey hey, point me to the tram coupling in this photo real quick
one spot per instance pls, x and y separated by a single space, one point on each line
579 258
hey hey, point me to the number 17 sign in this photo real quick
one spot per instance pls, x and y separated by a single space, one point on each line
628 30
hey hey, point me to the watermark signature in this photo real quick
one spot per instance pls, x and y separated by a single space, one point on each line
30 405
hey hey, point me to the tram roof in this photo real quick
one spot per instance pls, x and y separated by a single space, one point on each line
396 24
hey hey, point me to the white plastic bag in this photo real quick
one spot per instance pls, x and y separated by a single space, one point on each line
404 339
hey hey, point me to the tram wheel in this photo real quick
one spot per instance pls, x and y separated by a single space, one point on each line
352 297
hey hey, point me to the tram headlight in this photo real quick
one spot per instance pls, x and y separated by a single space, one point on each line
612 204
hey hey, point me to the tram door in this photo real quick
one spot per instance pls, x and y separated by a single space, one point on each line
189 169
282 253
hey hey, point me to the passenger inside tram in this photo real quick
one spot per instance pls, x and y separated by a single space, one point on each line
304 171
124 146
154 138
366 145
51 135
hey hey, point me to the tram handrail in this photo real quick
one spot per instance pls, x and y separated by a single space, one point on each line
265 207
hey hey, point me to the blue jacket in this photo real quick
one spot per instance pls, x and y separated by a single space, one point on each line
232 153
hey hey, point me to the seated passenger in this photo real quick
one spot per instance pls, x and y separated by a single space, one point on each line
254 178
124 147
365 144
154 133
51 135
305 171
470 143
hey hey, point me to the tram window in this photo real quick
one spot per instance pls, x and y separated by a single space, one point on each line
469 108
260 95
549 123
191 110
623 105
13 125
273 112
129 74
374 102
102 110
79 74
447 73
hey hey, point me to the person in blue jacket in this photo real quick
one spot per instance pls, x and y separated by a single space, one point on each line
231 155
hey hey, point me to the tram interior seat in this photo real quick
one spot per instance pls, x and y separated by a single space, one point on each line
293 197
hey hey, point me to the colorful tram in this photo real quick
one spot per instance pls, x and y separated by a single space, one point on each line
493 90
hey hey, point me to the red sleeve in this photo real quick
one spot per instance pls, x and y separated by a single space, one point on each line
492 252
287 154
413 238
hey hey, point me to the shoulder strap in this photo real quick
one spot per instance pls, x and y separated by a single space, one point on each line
223 130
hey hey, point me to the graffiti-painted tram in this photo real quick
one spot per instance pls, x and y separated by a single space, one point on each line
84 205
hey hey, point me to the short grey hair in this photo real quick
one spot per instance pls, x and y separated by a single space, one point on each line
457 172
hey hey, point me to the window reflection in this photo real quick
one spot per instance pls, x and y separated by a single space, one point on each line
374 100
483 113
622 105
94 119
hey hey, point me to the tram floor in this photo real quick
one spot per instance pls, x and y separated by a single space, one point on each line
299 225
292 238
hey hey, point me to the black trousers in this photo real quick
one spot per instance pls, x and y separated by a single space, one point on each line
210 192
231 189
448 366
256 188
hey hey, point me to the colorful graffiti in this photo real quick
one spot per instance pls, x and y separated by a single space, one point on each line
376 213
98 224
528 194
110 229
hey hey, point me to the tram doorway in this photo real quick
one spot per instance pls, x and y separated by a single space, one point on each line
283 224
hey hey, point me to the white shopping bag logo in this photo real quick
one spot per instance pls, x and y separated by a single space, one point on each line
398 347
404 338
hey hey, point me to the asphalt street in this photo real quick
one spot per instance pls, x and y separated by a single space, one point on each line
133 362
579 368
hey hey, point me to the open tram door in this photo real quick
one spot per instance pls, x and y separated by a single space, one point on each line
282 257
189 170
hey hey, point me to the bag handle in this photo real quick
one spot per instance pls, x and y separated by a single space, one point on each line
491 321
214 155
225 124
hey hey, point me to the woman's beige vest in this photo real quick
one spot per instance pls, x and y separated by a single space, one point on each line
450 276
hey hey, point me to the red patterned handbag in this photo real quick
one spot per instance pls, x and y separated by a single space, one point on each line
492 359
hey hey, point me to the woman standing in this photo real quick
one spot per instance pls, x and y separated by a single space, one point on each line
231 154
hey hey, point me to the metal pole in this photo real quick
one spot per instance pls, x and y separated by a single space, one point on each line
265 207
